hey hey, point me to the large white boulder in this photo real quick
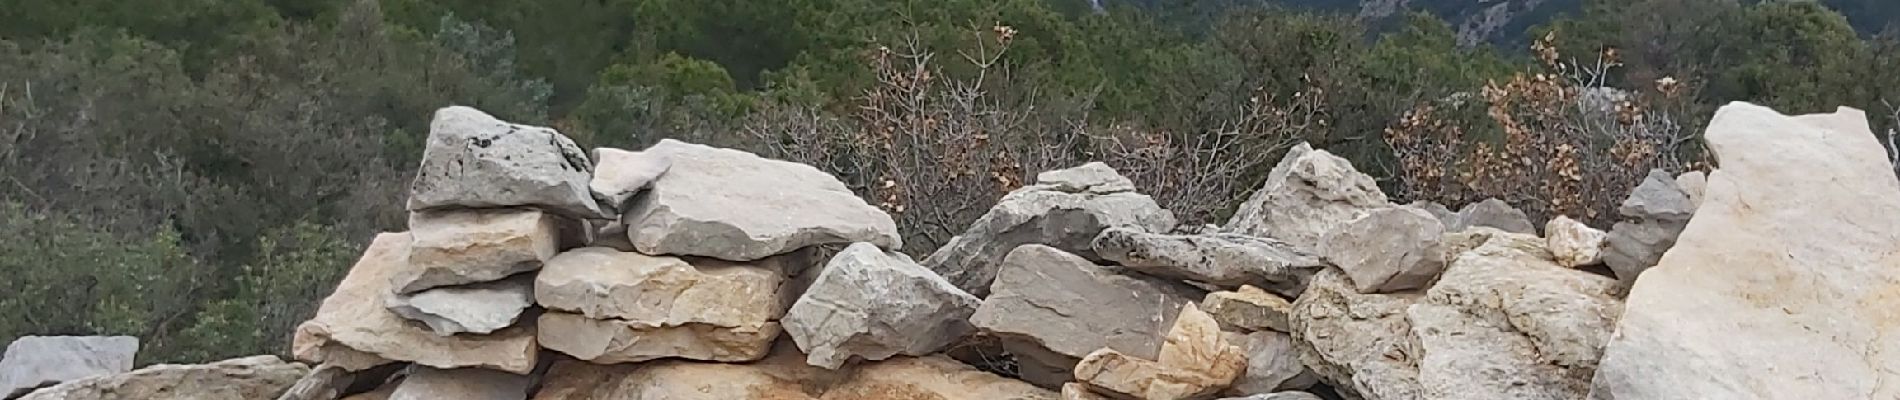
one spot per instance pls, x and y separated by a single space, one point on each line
1784 284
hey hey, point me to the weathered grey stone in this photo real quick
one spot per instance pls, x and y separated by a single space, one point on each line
1306 195
1507 322
734 205
620 174
1248 309
609 341
1390 249
426 383
355 330
1221 259
611 235
1273 363
1278 396
250 378
1359 343
1573 243
1067 213
473 160
1783 285
458 247
479 308
1656 212
872 304
1195 362
1493 213
33 362
603 283
1050 308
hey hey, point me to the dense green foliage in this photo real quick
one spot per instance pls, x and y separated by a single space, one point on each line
200 172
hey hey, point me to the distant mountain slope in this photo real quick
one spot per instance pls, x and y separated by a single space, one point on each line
1484 21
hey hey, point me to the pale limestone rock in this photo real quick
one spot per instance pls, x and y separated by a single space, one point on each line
1693 183
1067 213
473 160
605 283
734 205
426 383
458 247
355 330
609 341
1507 322
33 362
1249 309
1050 308
872 304
1573 243
1278 396
1358 343
250 378
1195 362
1306 195
1220 259
930 378
621 174
1783 285
1078 391
1389 249
480 308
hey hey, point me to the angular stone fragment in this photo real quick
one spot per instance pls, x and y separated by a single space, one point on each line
1507 322
479 308
1693 183
872 304
1221 259
1783 285
459 247
1067 212
1388 250
1306 195
250 378
33 362
1050 308
1655 213
1273 363
473 160
620 174
930 378
1078 391
1573 243
605 283
734 205
1195 362
1358 343
426 383
355 330
609 341
1249 309
1493 213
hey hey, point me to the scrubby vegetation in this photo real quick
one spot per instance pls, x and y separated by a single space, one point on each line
196 173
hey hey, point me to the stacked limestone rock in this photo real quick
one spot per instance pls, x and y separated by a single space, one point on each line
1772 277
